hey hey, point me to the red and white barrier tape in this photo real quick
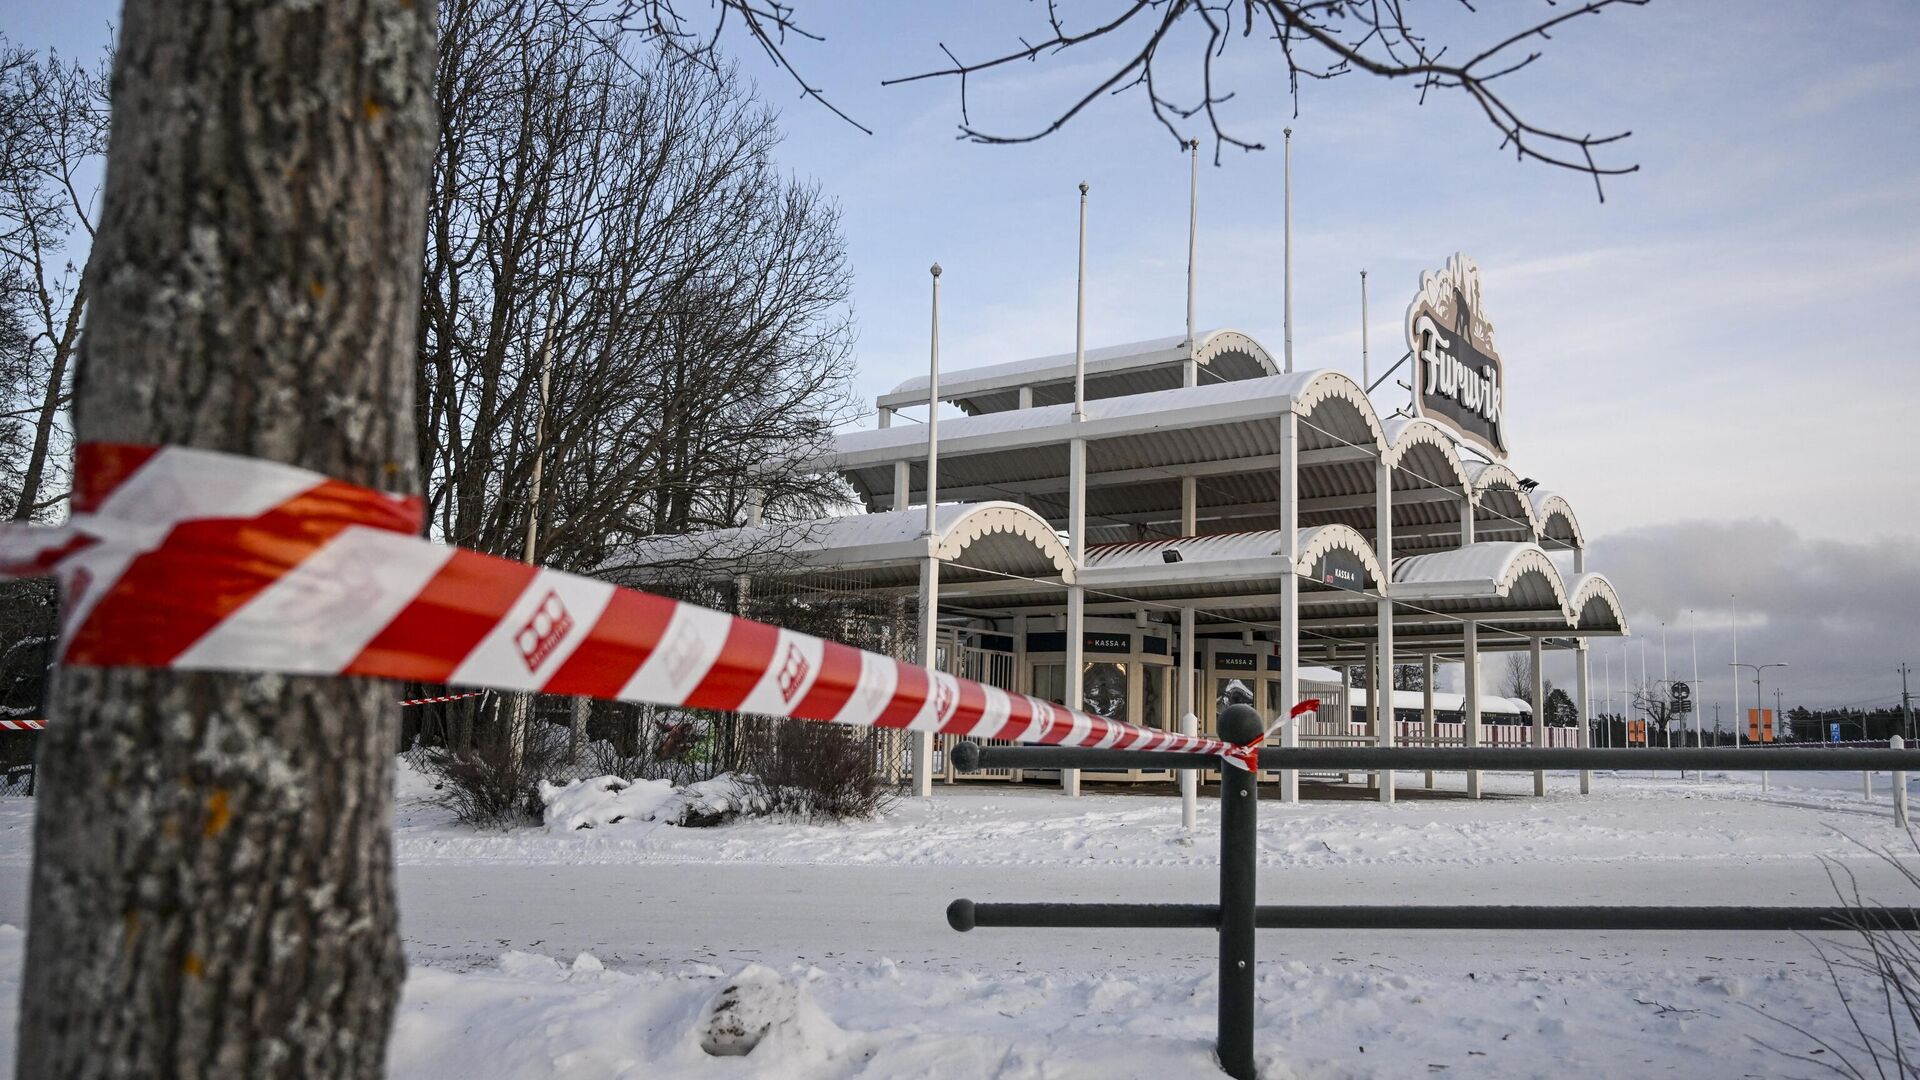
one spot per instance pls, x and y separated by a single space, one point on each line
22 725
196 560
441 698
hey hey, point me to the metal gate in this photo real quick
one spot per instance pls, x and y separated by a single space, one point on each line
990 667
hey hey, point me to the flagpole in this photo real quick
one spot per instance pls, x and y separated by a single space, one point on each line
1080 318
1190 371
1734 629
1693 625
1287 303
1366 372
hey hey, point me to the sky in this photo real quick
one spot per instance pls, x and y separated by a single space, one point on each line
1715 365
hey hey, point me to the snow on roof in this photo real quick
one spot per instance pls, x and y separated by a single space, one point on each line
1444 701
1489 568
1176 409
1020 541
1404 434
1239 556
972 385
1594 604
1549 505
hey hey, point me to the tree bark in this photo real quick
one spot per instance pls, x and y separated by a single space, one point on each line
212 886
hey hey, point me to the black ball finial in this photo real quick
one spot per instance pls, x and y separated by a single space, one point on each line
966 757
960 915
1240 724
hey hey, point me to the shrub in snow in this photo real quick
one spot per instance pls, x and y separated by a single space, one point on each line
721 799
819 770
758 1006
604 800
492 786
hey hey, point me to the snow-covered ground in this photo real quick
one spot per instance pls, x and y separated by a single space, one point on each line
594 953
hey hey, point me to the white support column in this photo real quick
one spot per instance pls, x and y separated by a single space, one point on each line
1189 506
1470 633
1346 708
1383 549
1289 592
1026 397
1189 722
1374 698
922 742
902 485
1426 708
1539 711
1470 708
1584 705
886 417
1899 786
1022 673
1076 596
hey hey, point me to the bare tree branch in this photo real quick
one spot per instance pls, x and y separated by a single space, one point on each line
1317 39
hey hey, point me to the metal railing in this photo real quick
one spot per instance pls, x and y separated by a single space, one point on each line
1237 916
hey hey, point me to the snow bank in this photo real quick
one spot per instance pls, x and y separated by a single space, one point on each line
534 1016
1628 819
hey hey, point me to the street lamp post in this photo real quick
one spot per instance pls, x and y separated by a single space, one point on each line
1758 701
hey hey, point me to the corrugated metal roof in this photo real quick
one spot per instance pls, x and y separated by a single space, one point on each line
1212 404
1595 605
1497 569
1556 519
1000 537
1112 371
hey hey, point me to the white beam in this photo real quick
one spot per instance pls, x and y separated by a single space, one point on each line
1290 593
1076 596
1383 548
1426 706
1584 705
1189 723
1539 711
1471 677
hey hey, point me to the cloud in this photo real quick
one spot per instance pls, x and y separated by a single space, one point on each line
1841 613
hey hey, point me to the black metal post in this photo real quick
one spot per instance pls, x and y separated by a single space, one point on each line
1239 860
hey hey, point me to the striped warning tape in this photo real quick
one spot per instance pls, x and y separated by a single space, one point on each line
195 560
441 698
22 725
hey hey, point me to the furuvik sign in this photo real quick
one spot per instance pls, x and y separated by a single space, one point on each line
1458 380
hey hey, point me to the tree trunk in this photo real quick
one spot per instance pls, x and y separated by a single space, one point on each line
50 402
212 885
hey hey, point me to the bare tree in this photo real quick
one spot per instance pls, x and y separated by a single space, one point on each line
1311 39
212 886
613 228
625 224
53 128
1654 704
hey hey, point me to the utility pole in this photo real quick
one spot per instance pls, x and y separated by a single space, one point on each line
1779 718
1906 703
